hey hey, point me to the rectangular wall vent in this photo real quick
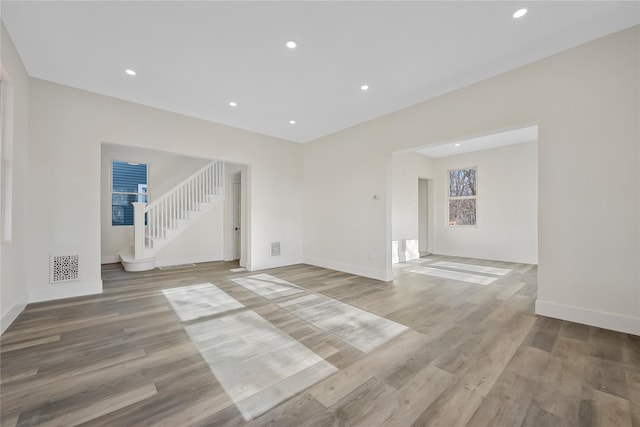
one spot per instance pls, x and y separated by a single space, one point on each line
275 248
64 268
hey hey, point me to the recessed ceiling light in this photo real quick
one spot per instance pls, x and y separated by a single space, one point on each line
520 13
130 72
291 44
292 122
457 145
233 104
364 87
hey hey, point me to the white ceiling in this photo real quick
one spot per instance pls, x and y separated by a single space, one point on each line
484 142
195 57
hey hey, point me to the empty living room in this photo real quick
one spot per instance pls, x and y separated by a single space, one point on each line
320 213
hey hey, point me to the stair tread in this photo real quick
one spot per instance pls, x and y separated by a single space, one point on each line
128 257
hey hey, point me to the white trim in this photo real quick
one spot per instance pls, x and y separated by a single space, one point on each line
66 290
165 262
351 269
275 263
601 319
13 313
110 259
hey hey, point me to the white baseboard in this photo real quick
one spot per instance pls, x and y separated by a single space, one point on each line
164 262
65 290
601 319
275 263
351 269
7 319
110 259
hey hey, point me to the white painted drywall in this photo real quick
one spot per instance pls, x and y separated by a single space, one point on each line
13 276
585 101
165 170
406 169
507 205
347 203
68 127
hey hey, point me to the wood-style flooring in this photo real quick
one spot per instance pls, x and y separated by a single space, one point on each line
474 353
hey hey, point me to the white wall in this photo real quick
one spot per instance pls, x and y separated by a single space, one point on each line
165 170
507 205
346 229
13 275
406 169
67 128
585 101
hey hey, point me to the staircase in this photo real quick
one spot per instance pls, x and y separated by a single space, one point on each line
158 223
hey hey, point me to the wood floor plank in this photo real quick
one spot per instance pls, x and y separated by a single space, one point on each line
406 405
453 408
101 407
472 355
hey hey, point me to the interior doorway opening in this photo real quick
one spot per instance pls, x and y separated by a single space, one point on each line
424 216
235 224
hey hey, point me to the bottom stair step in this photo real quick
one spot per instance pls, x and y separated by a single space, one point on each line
131 264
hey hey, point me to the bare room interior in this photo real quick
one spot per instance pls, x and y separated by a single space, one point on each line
320 213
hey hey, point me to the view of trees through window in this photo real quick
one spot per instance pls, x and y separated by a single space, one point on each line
462 196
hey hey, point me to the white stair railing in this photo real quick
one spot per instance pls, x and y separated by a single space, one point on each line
153 222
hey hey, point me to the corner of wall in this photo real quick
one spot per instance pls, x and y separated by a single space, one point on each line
284 262
382 275
13 313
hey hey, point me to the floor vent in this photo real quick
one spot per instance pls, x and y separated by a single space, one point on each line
176 267
64 268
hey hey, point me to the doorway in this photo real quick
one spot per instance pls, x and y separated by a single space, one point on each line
235 212
424 208
237 209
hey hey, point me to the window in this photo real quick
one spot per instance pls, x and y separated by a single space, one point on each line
462 196
128 185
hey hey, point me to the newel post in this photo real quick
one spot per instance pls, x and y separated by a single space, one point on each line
138 229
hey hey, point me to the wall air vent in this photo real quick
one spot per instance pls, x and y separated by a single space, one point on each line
275 248
64 268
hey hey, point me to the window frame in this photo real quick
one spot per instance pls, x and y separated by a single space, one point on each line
111 192
449 198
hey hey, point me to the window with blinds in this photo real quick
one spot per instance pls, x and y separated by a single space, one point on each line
128 185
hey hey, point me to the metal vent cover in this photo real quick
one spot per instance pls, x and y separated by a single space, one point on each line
275 248
64 268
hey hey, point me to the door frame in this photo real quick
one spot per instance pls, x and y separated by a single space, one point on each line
236 174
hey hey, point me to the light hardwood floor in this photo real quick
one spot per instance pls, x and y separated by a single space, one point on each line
473 354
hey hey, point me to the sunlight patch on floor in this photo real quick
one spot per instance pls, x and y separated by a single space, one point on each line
473 267
195 301
258 365
456 275
358 328
268 286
